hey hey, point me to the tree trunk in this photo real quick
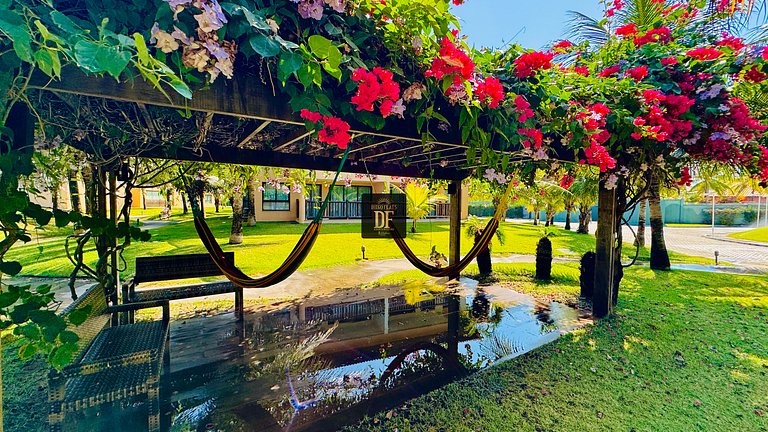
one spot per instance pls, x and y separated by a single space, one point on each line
217 202
55 198
585 216
236 234
641 223
659 255
484 257
202 202
93 185
184 209
536 216
568 219
143 198
74 193
252 191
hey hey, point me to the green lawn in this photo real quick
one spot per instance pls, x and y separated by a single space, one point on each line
268 243
686 351
757 234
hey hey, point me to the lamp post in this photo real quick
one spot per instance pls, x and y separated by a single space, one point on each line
713 195
717 256
362 249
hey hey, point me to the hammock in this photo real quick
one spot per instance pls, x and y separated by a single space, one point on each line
291 263
454 269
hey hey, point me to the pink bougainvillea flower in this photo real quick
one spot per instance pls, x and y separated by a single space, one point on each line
334 131
627 30
660 35
581 70
562 46
534 137
451 61
597 155
732 42
669 61
377 86
523 109
609 71
567 181
755 75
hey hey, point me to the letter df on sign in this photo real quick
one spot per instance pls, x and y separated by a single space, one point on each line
383 218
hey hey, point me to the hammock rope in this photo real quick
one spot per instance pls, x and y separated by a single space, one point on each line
454 269
291 263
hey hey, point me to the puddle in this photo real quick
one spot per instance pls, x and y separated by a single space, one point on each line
325 362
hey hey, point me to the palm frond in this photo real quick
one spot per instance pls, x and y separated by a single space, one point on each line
583 28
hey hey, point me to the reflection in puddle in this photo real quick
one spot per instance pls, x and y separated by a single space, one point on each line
322 363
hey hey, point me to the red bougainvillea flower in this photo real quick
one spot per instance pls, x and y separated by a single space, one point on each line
597 155
458 2
755 75
650 96
615 5
704 54
731 42
375 86
581 70
567 181
490 91
562 46
627 30
609 71
534 137
660 35
311 116
638 74
669 61
523 109
685 177
527 64
334 131
451 61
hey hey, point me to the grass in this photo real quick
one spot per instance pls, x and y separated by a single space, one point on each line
757 235
267 244
685 351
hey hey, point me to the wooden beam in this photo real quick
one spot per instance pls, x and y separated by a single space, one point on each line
243 96
288 160
255 132
391 152
451 148
376 144
602 299
293 137
454 231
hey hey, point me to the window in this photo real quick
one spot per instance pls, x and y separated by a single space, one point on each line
349 193
275 199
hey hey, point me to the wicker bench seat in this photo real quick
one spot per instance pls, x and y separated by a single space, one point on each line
113 362
168 268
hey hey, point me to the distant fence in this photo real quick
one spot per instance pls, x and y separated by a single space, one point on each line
673 212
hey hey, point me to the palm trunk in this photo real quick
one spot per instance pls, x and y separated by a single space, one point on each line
641 224
236 234
55 198
252 191
483 259
568 219
184 209
585 216
74 193
659 254
217 202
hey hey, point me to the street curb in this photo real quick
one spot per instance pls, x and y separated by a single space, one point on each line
733 240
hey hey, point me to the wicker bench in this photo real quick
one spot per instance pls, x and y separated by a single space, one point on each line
113 363
167 268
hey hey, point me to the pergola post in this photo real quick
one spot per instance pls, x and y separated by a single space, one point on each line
454 213
602 299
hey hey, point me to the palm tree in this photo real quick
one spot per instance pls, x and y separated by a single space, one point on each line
659 254
642 209
474 229
419 201
584 191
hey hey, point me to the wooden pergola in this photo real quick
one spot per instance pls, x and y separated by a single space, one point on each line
254 125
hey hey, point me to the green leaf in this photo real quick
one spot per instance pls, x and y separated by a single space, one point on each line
285 44
86 54
43 289
319 46
10 267
68 337
27 351
8 298
78 316
61 218
62 355
112 59
141 48
264 45
290 62
180 87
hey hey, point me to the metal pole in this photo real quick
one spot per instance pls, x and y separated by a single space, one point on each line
758 212
713 214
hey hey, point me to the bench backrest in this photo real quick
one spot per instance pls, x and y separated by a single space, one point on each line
162 268
94 301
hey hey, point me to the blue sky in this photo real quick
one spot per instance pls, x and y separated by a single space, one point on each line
532 24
